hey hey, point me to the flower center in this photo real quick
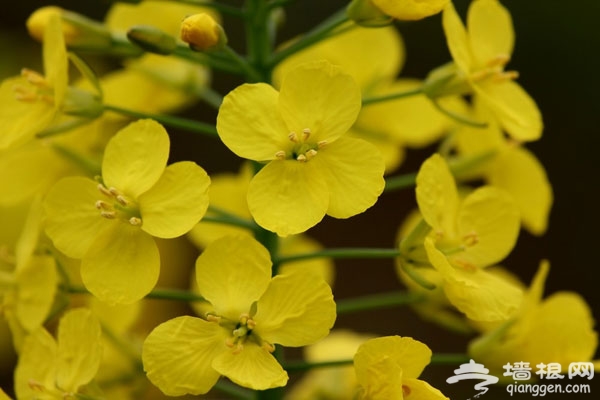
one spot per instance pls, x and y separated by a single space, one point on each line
115 205
494 70
39 89
302 149
241 332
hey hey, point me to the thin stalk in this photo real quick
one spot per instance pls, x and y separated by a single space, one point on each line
251 73
341 253
392 96
208 59
162 294
460 118
172 121
377 301
317 34
233 221
400 182
210 97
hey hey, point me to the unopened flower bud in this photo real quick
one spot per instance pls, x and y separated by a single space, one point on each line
445 81
364 13
152 39
202 32
79 31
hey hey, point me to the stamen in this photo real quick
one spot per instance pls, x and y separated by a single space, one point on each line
36 386
104 190
251 324
238 348
293 137
113 191
499 60
506 76
34 78
25 94
471 239
310 154
305 133
280 155
108 214
322 144
101 205
213 318
301 158
122 200
268 347
230 342
135 221
405 390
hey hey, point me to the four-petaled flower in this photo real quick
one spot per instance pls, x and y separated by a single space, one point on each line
111 225
251 312
312 168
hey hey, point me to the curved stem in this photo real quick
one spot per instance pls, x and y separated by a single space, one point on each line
312 37
230 219
341 253
172 121
377 301
251 73
460 118
392 96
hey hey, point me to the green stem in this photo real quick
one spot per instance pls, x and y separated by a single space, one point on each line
172 121
251 74
234 390
317 34
224 217
88 165
214 62
210 97
377 301
392 96
162 294
462 165
400 182
258 40
341 253
460 118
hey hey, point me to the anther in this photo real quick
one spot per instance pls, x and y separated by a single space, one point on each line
268 347
251 324
301 158
280 155
506 76
238 348
34 77
305 133
230 342
122 200
471 239
108 214
499 60
213 318
135 221
322 144
103 190
293 137
310 154
113 191
101 205
24 94
405 390
35 385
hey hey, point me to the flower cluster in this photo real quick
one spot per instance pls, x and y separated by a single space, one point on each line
127 272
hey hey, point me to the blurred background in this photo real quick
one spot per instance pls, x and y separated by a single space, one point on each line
556 54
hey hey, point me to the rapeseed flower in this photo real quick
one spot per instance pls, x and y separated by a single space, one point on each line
250 313
311 167
388 368
480 52
61 368
410 9
110 225
467 236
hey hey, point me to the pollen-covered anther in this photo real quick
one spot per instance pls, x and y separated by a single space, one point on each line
34 78
268 347
122 200
305 133
23 93
301 158
280 155
135 221
322 144
35 385
102 205
499 60
471 239
213 318
506 76
108 214
238 348
113 191
293 136
310 154
104 190
405 390
251 324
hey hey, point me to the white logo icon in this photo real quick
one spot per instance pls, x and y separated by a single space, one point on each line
472 370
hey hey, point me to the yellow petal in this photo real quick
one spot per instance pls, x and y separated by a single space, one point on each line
36 282
177 355
516 111
3 395
298 244
72 220
297 309
488 223
249 124
28 240
393 153
437 195
79 349
122 264
410 9
320 97
55 58
456 36
135 158
254 367
416 389
37 363
410 355
176 202
348 164
288 197
481 295
521 174
381 378
232 273
490 31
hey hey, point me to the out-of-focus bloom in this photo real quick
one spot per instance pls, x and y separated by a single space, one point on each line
466 236
202 32
368 12
480 52
330 383
557 329
111 225
250 313
374 58
299 132
388 368
60 368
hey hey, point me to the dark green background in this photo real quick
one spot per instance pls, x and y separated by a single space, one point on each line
557 56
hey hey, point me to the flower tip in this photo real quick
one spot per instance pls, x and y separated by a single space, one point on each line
202 32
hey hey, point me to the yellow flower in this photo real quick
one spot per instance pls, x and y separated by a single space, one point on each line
467 236
558 329
480 53
57 369
30 102
250 313
410 9
202 32
312 168
374 58
388 368
111 225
